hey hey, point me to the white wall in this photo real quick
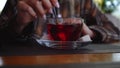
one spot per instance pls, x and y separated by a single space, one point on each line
2 4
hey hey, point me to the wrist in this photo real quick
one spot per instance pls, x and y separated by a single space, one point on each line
87 31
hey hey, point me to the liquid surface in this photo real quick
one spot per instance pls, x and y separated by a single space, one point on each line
63 32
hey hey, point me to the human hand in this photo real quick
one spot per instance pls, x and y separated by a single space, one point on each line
87 31
29 10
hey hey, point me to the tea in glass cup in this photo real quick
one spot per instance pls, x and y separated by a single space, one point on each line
59 29
59 32
67 29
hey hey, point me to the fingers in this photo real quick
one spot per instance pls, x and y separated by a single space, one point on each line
23 7
29 10
35 8
44 6
25 14
87 31
39 9
55 3
47 4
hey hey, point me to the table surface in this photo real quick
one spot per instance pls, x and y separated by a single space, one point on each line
62 60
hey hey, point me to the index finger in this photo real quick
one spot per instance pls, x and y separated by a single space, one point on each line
55 3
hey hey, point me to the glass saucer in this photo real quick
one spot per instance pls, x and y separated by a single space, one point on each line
63 44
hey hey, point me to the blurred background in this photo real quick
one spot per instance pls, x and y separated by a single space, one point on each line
109 7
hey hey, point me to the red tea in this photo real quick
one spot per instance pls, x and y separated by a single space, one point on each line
64 32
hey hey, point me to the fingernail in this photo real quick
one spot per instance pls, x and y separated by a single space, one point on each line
57 5
50 11
44 17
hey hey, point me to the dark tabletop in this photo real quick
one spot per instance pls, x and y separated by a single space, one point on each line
31 47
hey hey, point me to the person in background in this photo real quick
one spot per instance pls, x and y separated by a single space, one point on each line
18 17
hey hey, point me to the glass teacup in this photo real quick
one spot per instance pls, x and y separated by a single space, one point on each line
58 32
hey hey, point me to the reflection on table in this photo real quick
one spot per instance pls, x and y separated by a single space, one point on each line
32 54
59 59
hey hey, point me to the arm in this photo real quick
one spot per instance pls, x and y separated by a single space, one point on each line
6 18
97 24
101 25
26 11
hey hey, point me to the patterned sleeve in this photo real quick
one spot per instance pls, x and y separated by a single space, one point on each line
105 26
100 23
7 13
6 18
